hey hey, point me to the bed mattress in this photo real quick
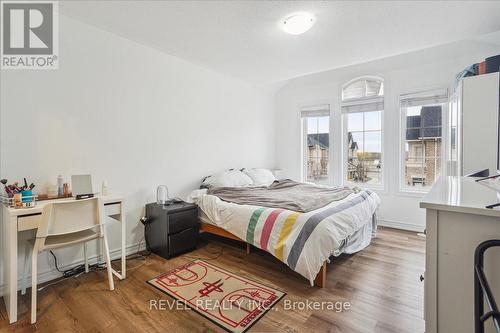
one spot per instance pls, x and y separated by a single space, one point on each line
303 241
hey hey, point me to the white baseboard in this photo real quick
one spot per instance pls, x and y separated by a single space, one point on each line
54 274
401 225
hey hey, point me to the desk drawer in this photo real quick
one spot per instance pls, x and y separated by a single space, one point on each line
28 222
112 209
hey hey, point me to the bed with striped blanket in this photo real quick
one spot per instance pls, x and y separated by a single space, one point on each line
303 241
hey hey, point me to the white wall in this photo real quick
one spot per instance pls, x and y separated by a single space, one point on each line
432 68
132 116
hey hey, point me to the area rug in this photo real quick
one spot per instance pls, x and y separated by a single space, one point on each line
231 301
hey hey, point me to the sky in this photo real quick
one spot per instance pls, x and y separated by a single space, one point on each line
318 125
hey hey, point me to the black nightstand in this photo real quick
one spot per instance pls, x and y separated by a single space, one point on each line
171 229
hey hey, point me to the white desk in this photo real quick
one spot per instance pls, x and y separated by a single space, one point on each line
457 222
17 220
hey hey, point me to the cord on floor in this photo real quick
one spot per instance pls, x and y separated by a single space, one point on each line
77 269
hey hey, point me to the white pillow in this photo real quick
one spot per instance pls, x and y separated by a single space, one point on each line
231 178
260 176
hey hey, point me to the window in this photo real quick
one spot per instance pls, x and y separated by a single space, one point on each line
422 118
363 88
362 109
316 144
452 144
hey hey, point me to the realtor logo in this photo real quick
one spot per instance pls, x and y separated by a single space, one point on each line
29 35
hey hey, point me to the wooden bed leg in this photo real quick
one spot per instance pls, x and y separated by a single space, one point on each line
320 280
248 248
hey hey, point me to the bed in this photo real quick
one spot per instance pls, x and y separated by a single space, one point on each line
302 239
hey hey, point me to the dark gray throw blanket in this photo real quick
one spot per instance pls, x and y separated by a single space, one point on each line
285 194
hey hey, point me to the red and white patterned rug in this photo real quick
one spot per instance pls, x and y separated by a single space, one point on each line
231 301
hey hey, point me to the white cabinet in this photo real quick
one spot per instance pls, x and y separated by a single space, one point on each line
474 113
457 222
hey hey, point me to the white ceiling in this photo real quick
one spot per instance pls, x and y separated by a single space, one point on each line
242 38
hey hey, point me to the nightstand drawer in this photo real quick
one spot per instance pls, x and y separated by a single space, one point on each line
183 220
182 241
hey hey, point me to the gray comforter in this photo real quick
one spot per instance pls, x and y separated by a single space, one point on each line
285 194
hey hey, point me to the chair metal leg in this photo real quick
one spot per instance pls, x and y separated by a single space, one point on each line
108 262
27 253
101 247
33 284
85 254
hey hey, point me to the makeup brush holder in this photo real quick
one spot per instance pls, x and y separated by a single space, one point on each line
25 199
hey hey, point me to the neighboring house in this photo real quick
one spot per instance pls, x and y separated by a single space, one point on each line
423 137
317 163
352 148
362 166
354 169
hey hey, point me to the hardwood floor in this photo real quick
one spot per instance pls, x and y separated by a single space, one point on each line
381 283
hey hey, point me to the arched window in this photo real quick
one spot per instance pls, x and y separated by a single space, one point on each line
362 109
361 88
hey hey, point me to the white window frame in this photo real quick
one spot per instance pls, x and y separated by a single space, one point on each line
429 94
345 154
318 110
361 78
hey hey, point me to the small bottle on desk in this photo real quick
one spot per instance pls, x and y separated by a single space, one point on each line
66 189
104 188
60 186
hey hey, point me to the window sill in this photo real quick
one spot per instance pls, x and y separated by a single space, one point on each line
376 188
412 193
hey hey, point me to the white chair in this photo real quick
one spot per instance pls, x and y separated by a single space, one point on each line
64 224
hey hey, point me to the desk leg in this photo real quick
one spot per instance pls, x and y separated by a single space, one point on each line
123 274
124 261
10 266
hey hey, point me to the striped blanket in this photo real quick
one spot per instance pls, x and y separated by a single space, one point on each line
303 241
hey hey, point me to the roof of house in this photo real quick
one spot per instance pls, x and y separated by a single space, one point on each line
426 125
320 139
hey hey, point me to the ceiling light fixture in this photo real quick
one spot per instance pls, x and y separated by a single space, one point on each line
298 23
